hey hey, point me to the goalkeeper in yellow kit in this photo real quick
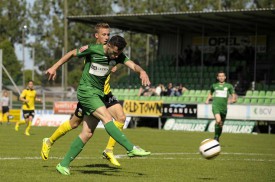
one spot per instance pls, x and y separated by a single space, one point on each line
102 33
28 97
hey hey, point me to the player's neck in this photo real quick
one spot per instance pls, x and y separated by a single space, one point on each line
105 48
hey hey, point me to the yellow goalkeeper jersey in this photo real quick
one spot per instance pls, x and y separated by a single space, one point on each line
107 87
30 96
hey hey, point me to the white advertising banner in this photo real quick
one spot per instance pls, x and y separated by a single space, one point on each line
266 113
50 119
240 112
233 126
57 119
185 124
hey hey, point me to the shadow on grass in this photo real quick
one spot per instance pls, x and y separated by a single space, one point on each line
47 166
101 166
205 179
104 169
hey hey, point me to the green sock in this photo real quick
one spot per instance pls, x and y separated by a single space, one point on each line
74 150
114 132
218 131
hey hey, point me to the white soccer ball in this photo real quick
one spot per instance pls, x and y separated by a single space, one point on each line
210 148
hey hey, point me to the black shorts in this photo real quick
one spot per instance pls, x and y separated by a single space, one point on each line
5 109
109 100
28 113
78 111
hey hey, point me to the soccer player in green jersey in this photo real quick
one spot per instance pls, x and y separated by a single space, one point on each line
220 92
99 60
102 33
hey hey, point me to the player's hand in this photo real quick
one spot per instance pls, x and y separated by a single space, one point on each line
114 69
52 73
231 101
144 79
207 102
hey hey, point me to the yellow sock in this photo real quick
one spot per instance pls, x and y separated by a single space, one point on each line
28 127
22 122
111 143
19 123
60 131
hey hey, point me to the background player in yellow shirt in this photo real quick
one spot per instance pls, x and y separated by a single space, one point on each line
102 34
28 97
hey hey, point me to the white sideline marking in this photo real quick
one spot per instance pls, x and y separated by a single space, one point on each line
223 153
162 154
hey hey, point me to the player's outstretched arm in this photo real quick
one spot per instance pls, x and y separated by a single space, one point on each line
234 98
142 74
52 70
208 98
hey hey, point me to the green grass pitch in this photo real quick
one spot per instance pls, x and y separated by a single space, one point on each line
175 157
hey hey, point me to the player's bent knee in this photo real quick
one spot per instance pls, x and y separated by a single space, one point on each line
89 135
219 123
86 136
75 121
121 118
75 124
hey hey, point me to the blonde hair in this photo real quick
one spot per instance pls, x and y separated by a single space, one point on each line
101 25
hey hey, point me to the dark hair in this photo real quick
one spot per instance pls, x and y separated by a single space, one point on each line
221 71
118 41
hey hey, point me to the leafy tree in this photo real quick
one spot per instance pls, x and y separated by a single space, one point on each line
11 63
50 38
47 26
264 3
13 17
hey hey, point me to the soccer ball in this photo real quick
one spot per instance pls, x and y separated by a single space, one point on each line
210 148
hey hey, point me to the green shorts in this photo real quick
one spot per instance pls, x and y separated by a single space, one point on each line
222 112
90 99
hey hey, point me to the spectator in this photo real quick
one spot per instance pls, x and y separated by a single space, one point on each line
160 89
170 91
181 89
145 91
221 58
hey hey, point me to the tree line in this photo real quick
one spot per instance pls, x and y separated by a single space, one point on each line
45 32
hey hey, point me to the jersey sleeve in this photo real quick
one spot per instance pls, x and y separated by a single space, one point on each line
122 58
23 94
83 51
212 90
35 94
231 90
